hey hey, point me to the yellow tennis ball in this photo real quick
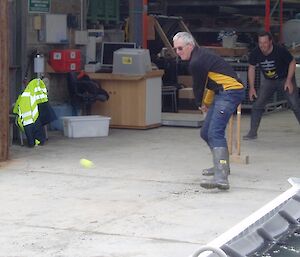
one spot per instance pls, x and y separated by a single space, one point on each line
86 163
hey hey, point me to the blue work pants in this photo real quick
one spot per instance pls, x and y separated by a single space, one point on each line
224 105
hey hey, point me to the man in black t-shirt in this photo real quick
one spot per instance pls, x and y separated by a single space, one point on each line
278 67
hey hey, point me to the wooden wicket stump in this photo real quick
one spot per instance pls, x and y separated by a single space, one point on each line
241 159
234 139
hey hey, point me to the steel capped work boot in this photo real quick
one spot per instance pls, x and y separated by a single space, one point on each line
208 171
250 136
221 171
255 121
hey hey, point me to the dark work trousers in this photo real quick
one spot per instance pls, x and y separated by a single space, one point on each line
35 131
266 91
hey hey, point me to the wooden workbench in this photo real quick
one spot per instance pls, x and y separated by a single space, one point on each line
134 101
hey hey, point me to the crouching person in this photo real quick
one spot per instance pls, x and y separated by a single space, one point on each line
213 73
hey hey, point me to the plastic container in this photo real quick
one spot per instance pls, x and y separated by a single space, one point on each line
86 126
60 110
229 41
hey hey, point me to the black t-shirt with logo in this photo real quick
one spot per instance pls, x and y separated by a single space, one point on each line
273 66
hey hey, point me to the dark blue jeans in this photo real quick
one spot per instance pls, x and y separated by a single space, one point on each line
218 115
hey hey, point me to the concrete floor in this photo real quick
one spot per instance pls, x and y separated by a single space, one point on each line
142 198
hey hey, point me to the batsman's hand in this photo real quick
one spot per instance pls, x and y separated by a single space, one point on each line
288 86
252 94
203 108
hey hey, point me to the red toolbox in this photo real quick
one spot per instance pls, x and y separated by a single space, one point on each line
65 60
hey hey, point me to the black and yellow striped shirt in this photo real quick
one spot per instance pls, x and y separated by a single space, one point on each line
212 72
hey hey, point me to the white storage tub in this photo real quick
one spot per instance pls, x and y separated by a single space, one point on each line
86 126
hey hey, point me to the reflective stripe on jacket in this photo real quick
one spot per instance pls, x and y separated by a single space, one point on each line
26 106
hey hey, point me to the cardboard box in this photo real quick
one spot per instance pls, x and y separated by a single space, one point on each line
186 93
185 80
230 52
86 126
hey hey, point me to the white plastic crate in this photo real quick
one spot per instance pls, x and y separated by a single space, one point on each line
86 126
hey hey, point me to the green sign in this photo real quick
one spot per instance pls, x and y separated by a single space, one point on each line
39 6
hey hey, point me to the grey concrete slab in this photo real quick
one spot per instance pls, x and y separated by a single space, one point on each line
142 198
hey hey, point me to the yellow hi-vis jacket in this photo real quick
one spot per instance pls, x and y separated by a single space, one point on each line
26 106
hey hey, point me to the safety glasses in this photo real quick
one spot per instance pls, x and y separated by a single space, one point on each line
179 48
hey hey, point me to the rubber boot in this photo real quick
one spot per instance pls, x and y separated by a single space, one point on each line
221 162
211 171
208 171
255 121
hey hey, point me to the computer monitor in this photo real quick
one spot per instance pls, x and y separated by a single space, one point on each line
108 48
